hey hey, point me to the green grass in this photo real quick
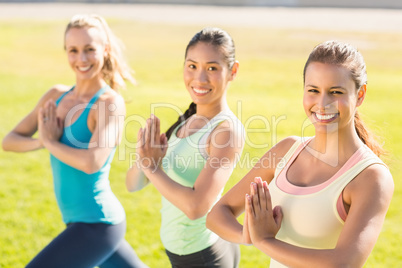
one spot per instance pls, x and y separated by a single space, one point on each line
269 84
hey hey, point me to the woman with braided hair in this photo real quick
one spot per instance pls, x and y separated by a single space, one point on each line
191 163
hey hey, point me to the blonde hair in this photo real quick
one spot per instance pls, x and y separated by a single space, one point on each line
115 69
345 55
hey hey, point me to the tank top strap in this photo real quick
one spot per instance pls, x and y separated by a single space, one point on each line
291 154
212 124
93 100
64 94
366 161
98 94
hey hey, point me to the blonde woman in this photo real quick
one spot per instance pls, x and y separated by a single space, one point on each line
78 126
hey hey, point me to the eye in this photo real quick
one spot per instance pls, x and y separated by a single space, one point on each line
336 92
312 90
73 50
191 66
212 68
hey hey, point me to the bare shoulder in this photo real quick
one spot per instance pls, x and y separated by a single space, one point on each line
282 147
54 93
229 133
59 89
114 102
232 126
111 96
375 180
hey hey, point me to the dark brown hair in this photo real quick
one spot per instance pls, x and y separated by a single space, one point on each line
218 38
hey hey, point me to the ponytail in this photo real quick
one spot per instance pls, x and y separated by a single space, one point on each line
192 109
115 69
345 55
366 136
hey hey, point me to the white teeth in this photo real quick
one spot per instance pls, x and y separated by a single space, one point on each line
201 91
325 116
83 69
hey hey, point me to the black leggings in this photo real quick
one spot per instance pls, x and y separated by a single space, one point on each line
87 245
222 254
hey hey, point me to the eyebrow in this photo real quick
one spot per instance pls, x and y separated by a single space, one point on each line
210 62
334 87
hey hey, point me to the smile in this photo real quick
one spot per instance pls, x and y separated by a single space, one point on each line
200 91
84 69
325 117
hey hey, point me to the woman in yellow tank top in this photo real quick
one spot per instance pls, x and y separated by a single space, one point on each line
314 206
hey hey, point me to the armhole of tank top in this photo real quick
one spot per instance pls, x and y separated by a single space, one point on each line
204 138
174 133
215 122
365 163
88 107
285 160
62 96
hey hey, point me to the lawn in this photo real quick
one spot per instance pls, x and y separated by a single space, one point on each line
266 96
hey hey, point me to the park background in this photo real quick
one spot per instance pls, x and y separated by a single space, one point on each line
272 46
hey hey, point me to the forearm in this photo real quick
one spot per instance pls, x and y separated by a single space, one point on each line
181 196
86 160
293 256
15 142
135 178
223 222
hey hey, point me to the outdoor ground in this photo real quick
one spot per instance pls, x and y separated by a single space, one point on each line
272 45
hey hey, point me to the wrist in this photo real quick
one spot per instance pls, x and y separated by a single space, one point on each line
148 170
263 242
38 144
47 143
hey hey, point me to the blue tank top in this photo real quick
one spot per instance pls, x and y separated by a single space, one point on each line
84 197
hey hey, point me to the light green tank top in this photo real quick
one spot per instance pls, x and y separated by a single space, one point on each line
184 160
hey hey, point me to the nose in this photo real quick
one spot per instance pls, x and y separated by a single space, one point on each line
83 56
202 76
325 103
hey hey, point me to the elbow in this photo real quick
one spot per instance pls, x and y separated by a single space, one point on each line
5 144
90 166
129 184
195 211
209 221
346 260
90 169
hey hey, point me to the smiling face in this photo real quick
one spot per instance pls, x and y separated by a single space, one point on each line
207 74
85 47
330 97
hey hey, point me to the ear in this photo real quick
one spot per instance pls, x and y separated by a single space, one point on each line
361 94
235 68
107 50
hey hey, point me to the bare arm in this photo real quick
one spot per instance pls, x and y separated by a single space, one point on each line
20 138
358 236
135 178
196 201
222 219
106 135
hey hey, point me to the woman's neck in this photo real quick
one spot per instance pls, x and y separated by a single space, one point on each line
336 147
209 111
88 87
